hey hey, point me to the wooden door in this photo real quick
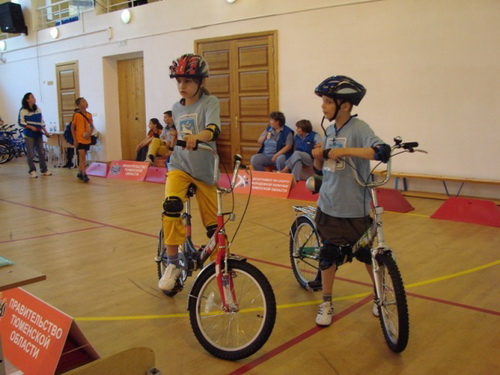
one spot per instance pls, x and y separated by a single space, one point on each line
68 89
243 75
132 106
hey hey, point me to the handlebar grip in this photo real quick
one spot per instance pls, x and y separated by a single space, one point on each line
409 145
182 143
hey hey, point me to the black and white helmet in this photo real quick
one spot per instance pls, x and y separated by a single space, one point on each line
343 88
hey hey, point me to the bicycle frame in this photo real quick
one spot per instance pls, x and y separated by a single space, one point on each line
376 228
219 238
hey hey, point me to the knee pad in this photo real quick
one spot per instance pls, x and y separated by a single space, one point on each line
172 206
211 230
330 254
364 255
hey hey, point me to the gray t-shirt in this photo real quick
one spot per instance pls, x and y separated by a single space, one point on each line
167 135
192 120
340 195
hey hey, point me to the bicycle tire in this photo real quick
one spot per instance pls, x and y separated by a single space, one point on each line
237 334
304 251
5 154
393 311
162 265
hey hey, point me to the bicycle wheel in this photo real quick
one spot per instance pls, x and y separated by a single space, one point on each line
393 310
304 251
5 154
161 262
242 331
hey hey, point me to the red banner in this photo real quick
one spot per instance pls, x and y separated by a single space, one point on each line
268 184
128 170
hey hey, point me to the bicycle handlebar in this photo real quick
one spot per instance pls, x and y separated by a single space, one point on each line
237 162
313 183
398 144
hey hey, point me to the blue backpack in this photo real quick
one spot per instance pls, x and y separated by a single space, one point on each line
67 134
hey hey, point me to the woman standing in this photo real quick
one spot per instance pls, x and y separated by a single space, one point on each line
30 119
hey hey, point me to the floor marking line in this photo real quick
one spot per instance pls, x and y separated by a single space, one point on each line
453 275
79 218
281 348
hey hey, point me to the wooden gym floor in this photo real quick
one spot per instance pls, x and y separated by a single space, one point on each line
96 243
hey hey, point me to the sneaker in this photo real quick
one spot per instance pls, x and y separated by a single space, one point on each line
80 176
86 178
33 174
375 310
151 160
46 173
325 314
167 281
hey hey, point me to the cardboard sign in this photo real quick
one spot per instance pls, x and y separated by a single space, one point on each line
34 333
266 184
128 170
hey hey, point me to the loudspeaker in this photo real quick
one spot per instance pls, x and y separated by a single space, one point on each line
12 19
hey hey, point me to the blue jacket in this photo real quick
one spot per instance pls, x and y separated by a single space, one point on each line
306 144
31 117
281 142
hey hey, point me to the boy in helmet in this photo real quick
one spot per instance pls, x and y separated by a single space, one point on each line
197 118
343 209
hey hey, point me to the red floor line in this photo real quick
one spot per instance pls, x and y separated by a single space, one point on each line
79 218
468 307
253 259
287 345
53 234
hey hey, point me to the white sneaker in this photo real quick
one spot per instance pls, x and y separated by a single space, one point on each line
375 310
169 277
325 314
33 174
47 173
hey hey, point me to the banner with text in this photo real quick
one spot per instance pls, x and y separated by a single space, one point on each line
34 333
268 184
128 170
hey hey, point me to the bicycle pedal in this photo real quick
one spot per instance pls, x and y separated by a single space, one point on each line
314 286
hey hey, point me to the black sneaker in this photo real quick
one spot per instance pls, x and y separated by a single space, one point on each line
86 178
79 176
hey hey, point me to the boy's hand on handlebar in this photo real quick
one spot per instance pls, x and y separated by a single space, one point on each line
317 153
191 141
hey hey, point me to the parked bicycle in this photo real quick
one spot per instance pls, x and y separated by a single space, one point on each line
12 142
232 308
390 296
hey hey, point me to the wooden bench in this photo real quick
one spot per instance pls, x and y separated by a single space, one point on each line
444 179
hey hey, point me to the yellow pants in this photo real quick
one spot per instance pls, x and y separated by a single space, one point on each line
157 148
176 186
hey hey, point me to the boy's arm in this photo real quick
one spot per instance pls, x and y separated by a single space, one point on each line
359 152
209 134
317 154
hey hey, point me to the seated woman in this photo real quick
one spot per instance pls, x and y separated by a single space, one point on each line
155 129
276 144
305 140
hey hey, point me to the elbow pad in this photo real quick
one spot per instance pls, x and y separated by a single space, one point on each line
214 129
382 152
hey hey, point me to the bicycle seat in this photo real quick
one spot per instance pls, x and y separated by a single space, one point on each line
191 190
